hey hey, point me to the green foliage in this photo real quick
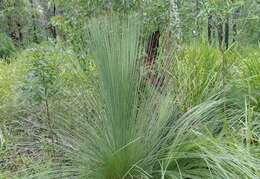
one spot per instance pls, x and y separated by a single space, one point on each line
22 93
246 85
43 74
196 75
86 105
131 128
7 48
9 77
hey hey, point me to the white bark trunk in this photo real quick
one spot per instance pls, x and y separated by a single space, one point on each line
175 27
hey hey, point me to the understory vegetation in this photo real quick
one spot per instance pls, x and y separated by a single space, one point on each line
127 91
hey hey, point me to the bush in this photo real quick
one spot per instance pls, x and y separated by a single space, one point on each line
41 72
7 47
42 75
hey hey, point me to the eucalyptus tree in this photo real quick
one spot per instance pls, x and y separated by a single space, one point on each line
175 21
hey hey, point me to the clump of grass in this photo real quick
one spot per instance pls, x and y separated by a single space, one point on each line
245 84
196 75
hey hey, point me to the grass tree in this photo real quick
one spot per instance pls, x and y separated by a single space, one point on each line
132 128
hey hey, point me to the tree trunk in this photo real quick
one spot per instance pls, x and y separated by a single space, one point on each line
175 21
210 29
35 38
153 77
11 32
197 18
9 23
220 32
54 31
227 33
19 29
234 32
152 49
234 28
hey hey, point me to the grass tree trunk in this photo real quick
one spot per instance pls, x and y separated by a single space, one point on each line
175 21
152 48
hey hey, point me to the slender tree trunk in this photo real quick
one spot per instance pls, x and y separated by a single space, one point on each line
19 29
210 29
197 18
220 32
11 31
54 31
175 21
234 28
35 38
9 23
227 33
234 32
224 73
49 120
17 33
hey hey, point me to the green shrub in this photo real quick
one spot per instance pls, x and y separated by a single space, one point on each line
42 77
49 70
40 73
7 47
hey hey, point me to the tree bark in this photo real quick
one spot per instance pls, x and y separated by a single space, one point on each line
35 38
210 29
175 21
54 31
9 23
197 18
234 28
52 13
220 32
19 29
152 49
227 33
